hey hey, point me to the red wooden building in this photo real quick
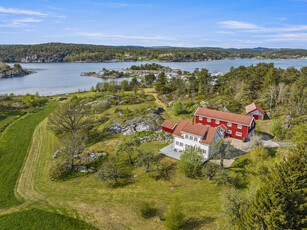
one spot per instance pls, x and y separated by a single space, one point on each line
255 111
237 126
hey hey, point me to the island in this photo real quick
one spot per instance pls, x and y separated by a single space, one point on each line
133 71
7 71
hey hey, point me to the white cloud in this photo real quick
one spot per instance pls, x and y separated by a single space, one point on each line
21 11
123 5
238 25
23 22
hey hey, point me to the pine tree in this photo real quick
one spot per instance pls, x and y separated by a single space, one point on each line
161 83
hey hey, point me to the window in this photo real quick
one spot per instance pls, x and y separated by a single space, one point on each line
228 131
204 151
229 124
200 118
191 138
217 122
181 144
239 126
208 119
195 139
238 134
186 137
177 142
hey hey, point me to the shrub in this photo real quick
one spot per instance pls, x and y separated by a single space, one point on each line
259 153
190 162
177 107
277 130
209 170
60 170
146 210
174 216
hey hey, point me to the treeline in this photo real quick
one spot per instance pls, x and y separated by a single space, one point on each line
152 66
59 52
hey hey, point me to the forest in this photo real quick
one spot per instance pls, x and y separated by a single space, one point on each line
65 52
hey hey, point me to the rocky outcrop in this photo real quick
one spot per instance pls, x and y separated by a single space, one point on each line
6 71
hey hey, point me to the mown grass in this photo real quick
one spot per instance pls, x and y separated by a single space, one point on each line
38 219
7 117
14 146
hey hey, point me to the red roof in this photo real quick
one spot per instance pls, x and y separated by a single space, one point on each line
169 124
224 116
208 138
196 129
253 107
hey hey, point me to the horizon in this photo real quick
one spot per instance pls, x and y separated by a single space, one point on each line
179 24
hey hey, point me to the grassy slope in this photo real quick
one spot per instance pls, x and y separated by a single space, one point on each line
14 145
39 219
110 208
7 117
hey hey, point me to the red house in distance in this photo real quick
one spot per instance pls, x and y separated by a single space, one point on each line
255 111
235 125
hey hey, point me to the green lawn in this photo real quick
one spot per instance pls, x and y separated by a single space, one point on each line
14 146
7 117
41 220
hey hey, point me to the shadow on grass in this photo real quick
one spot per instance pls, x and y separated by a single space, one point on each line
197 222
267 135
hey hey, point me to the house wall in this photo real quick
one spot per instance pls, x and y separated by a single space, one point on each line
256 112
190 143
167 130
234 127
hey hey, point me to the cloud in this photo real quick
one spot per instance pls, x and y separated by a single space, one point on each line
20 11
23 22
123 5
237 25
100 35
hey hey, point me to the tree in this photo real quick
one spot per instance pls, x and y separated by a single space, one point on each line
210 170
258 154
174 216
72 145
150 78
277 129
160 86
280 203
190 162
177 107
147 159
127 146
70 117
222 149
110 171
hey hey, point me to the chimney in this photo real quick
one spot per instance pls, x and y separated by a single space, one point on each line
192 120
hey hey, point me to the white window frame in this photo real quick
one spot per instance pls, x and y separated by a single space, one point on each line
200 118
177 143
239 126
191 138
181 144
195 139
229 124
217 122
228 131
209 119
238 134
186 136
204 151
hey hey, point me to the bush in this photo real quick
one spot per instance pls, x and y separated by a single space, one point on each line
177 107
174 216
190 162
277 130
146 210
209 170
60 170
259 153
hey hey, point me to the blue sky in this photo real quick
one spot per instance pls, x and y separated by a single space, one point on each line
194 23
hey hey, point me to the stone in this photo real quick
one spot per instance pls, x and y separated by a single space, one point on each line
56 154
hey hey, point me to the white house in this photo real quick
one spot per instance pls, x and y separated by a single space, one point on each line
188 134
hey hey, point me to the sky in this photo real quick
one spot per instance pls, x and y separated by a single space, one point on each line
181 23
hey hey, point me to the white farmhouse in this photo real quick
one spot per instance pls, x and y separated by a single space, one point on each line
188 134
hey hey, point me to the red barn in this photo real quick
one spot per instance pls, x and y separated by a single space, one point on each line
255 111
237 126
169 126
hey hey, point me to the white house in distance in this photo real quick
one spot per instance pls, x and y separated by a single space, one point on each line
255 111
188 134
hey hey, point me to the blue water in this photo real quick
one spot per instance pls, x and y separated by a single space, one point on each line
59 78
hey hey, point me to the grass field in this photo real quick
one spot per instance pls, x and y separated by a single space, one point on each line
14 146
7 117
40 220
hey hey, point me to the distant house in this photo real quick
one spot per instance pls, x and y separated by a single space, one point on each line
235 125
255 111
188 134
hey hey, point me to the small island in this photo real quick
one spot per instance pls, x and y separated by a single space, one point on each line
7 71
133 71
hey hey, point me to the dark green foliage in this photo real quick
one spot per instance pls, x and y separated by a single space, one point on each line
41 220
161 83
210 170
110 172
280 203
150 78
174 216
177 107
151 66
277 130
222 150
190 162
